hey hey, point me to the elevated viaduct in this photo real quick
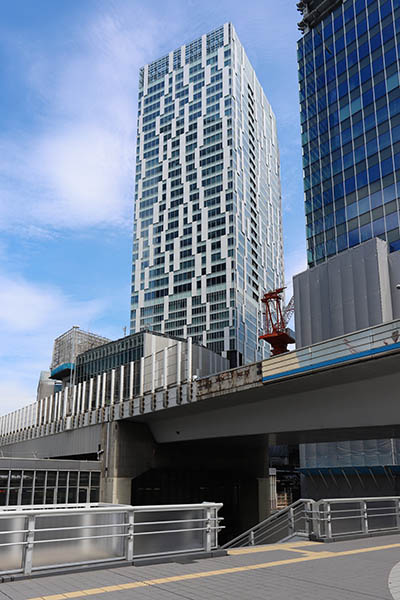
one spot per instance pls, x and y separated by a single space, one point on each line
208 439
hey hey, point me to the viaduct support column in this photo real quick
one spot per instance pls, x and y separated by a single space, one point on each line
255 496
127 452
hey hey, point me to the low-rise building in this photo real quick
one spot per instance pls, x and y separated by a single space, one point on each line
48 481
66 348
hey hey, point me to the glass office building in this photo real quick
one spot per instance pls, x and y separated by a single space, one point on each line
350 123
207 233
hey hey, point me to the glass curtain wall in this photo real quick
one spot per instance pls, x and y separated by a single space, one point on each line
350 120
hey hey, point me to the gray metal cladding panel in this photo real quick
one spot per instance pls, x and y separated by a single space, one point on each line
73 545
394 276
46 464
351 453
67 443
347 293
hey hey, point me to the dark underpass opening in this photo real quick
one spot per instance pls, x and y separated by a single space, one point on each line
178 486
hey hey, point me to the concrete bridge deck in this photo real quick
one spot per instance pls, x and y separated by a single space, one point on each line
348 570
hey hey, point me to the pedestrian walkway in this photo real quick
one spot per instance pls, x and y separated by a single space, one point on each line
302 570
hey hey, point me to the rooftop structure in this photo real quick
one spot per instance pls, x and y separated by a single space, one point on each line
118 356
351 291
46 385
66 348
313 11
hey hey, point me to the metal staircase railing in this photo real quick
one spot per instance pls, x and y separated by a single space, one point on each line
294 520
329 519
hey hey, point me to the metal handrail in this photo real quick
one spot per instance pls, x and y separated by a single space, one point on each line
265 523
46 509
326 519
275 525
201 530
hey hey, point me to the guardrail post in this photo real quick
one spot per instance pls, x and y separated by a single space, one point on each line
364 518
208 530
308 519
141 380
291 524
251 538
131 534
27 566
317 519
328 521
397 512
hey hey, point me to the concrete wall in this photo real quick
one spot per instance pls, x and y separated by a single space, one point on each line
77 442
239 465
353 290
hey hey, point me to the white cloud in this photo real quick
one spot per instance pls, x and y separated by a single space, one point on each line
87 170
31 317
74 169
29 307
70 163
15 394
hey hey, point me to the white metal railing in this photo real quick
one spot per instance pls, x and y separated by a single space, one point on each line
342 517
108 396
155 382
325 520
165 379
282 525
350 347
36 538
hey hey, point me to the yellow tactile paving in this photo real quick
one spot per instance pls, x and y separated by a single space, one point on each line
292 547
127 586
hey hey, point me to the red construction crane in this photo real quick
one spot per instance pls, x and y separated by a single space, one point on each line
276 321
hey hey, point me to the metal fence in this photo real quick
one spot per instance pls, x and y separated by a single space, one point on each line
177 375
164 379
346 348
344 517
325 520
58 536
279 527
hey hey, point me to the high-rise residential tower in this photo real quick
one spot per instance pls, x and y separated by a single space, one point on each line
350 119
207 234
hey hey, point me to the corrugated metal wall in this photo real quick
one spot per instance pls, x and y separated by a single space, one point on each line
351 291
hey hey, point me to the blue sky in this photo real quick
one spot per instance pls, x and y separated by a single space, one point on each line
67 135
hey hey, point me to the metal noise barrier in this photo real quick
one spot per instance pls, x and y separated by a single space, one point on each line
45 537
325 520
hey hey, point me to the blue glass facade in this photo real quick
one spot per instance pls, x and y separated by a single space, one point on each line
350 124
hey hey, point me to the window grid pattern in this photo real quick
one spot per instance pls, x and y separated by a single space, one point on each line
350 121
21 487
158 69
207 231
177 59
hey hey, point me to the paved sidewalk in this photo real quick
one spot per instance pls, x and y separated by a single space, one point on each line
352 570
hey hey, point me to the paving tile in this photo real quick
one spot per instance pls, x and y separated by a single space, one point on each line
360 576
